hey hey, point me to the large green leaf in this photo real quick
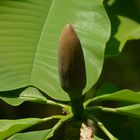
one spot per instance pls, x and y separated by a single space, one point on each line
122 95
132 110
125 95
125 20
107 88
9 127
35 135
128 30
30 31
29 94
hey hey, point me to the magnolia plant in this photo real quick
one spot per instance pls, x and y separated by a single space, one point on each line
52 52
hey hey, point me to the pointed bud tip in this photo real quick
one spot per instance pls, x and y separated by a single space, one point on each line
69 29
71 62
68 26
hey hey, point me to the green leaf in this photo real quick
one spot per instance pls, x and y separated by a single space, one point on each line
49 135
29 36
35 135
9 127
132 110
106 88
128 30
122 95
29 94
125 20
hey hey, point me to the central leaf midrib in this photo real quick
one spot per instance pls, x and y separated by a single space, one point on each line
40 39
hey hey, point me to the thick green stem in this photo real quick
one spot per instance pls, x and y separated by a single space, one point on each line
50 102
77 108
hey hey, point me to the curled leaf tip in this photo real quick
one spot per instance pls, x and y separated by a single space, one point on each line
71 63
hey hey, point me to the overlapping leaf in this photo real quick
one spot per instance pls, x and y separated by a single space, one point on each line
35 135
125 20
29 94
107 88
125 95
9 127
122 95
29 34
132 110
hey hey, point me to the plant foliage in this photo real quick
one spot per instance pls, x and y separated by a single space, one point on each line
29 35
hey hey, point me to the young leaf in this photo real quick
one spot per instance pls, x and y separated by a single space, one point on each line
122 95
10 127
125 25
106 89
29 94
34 135
132 110
29 36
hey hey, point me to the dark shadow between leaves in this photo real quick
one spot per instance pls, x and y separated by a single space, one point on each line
71 131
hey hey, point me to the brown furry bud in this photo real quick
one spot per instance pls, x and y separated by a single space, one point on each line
71 62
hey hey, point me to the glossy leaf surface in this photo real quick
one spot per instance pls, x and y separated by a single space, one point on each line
29 94
122 95
35 135
132 110
9 127
29 36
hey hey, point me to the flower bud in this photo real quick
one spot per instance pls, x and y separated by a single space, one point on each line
71 62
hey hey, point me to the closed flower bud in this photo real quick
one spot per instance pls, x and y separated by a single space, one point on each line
71 63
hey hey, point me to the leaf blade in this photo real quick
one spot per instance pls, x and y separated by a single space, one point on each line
125 25
122 95
29 94
9 127
29 41
132 110
36 135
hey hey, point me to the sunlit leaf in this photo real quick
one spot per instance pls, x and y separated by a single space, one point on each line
29 94
29 34
132 110
35 135
125 20
9 127
122 95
